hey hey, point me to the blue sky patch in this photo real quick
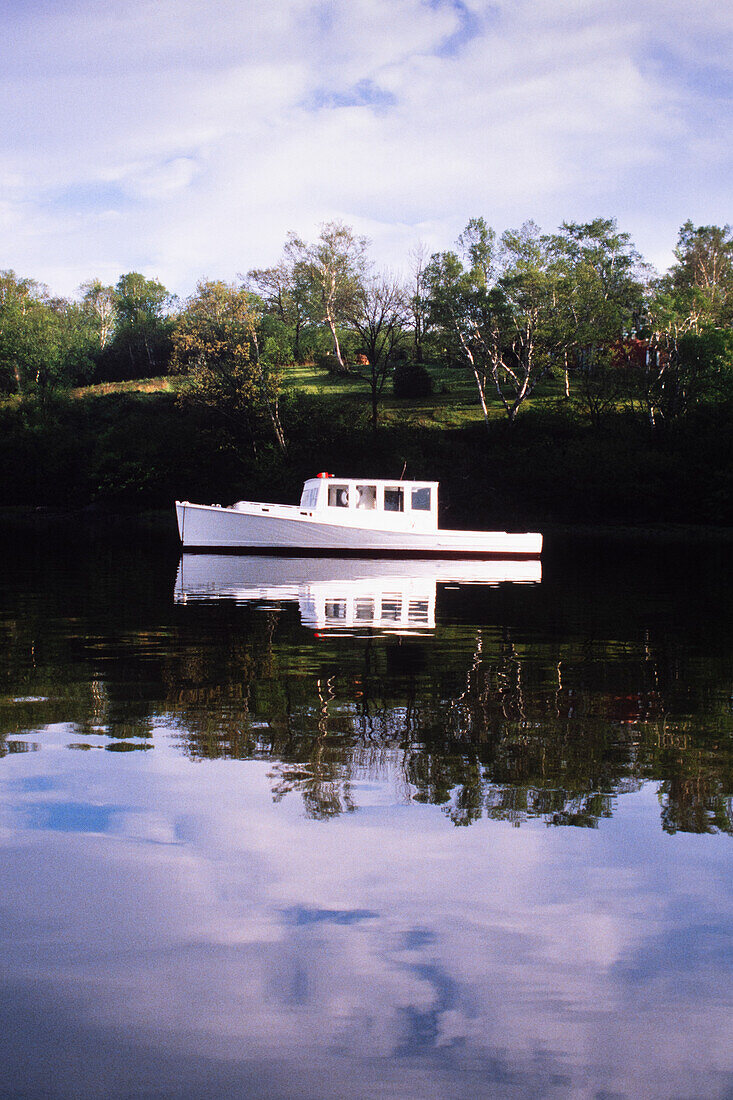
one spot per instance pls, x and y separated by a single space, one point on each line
32 784
710 81
363 94
89 198
303 916
70 817
469 27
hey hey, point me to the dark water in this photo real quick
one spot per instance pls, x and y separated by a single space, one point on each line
254 845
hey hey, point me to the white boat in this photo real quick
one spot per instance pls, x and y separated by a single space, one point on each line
357 517
336 595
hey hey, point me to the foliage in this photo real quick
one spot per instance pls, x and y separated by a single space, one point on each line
601 306
600 381
547 467
700 282
136 341
216 346
43 344
287 293
518 318
498 308
411 379
416 300
98 310
329 275
690 318
326 360
682 369
378 315
602 282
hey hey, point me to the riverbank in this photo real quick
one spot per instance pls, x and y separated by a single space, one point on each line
92 523
86 462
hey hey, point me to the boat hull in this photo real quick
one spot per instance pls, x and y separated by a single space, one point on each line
207 528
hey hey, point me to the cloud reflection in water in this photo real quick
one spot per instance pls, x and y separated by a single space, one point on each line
382 952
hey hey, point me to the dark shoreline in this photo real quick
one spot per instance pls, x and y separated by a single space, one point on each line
89 524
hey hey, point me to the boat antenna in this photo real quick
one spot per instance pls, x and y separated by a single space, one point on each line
403 470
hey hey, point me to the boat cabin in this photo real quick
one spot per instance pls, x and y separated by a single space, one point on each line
372 502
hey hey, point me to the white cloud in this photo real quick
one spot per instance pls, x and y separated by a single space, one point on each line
162 180
207 116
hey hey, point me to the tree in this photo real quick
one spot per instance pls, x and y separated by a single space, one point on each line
700 283
332 270
690 319
477 243
601 289
602 378
286 292
215 344
497 308
18 298
378 314
98 304
142 327
77 342
417 301
464 311
42 345
680 369
531 338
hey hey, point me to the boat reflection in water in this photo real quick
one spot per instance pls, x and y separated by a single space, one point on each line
351 594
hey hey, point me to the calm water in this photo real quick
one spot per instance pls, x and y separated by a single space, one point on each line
291 830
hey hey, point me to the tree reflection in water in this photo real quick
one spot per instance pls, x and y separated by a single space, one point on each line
504 729
589 687
162 912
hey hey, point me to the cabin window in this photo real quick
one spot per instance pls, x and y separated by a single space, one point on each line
338 496
418 611
309 498
394 498
391 608
421 500
366 496
364 609
335 610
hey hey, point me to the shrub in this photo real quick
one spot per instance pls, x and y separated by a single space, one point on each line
327 361
411 380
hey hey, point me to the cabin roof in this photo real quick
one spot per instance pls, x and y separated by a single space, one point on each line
391 481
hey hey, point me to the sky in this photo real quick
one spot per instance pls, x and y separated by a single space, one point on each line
185 138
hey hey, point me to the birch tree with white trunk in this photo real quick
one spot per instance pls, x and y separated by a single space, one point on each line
334 268
497 309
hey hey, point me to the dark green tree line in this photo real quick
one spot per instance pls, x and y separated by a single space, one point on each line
510 310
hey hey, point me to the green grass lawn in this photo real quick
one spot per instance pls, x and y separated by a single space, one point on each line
308 378
453 404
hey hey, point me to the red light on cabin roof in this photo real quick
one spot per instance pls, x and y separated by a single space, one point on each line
324 475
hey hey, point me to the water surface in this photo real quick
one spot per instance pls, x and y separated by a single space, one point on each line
318 831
